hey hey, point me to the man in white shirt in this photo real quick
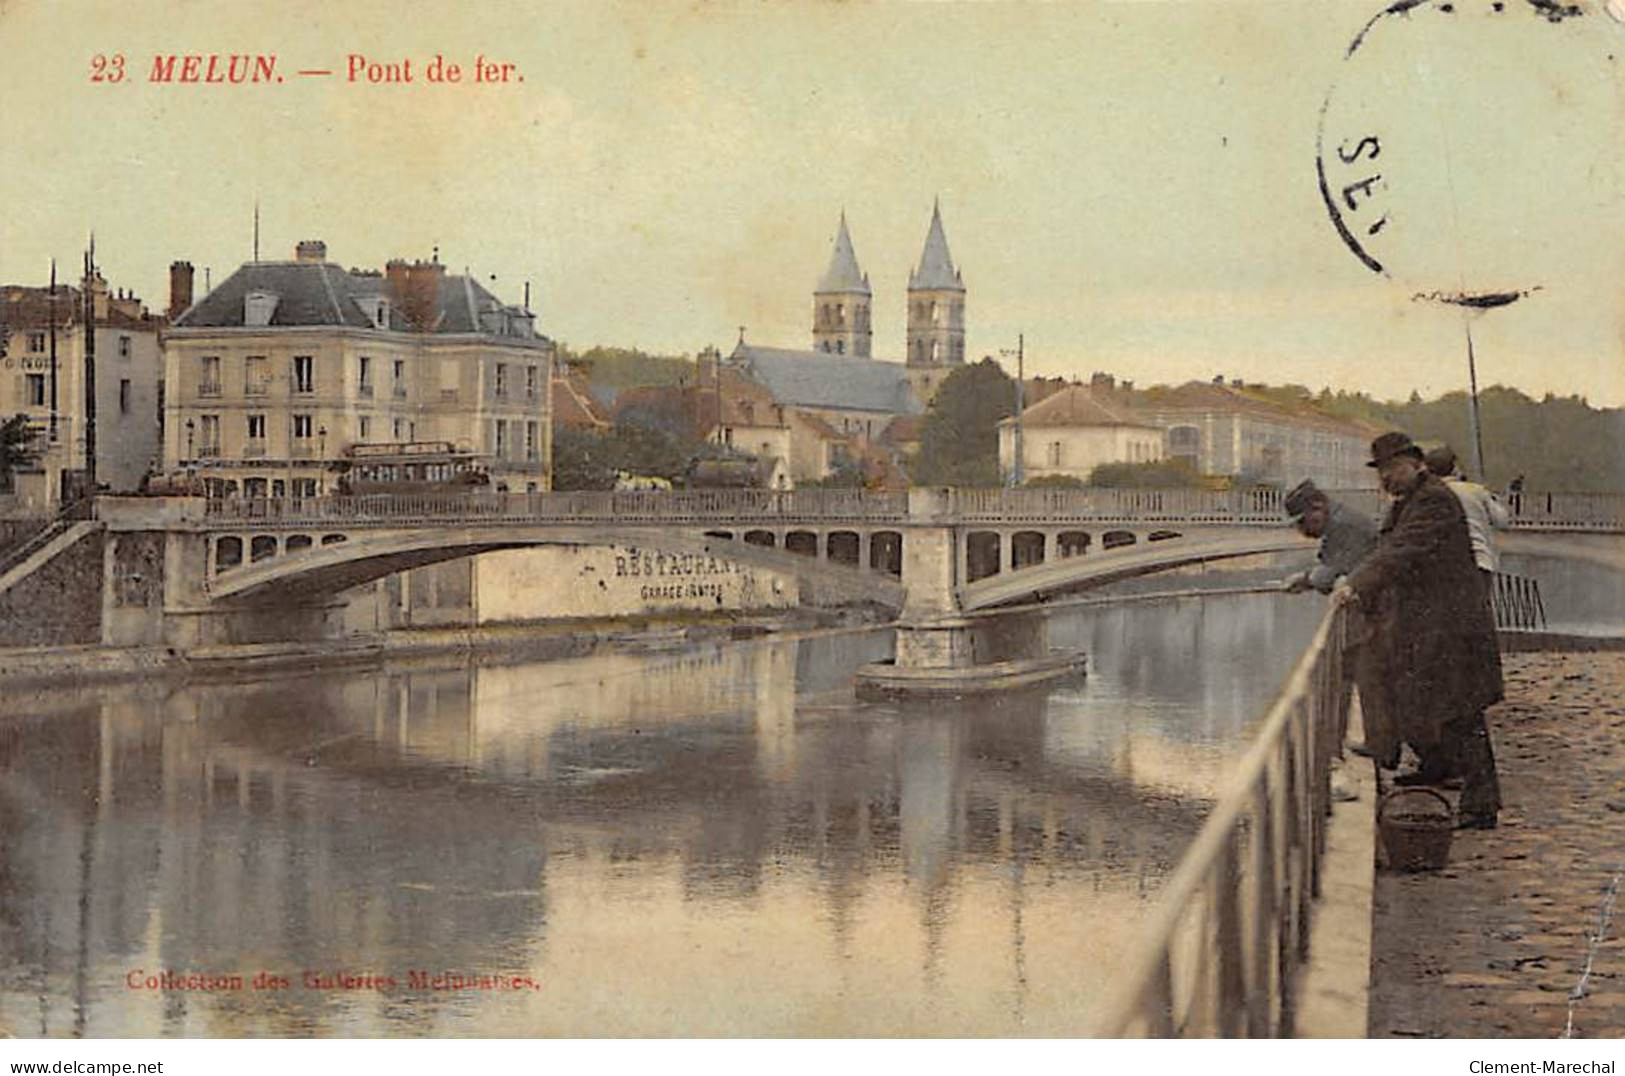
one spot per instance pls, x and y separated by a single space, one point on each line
1484 511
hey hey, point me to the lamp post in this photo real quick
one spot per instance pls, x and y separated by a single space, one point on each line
321 460
191 429
1472 305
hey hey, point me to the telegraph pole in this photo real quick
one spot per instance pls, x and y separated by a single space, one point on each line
90 370
53 354
1021 377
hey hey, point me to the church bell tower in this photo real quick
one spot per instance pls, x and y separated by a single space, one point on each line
841 303
936 314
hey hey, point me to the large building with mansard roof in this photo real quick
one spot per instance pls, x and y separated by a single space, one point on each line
280 372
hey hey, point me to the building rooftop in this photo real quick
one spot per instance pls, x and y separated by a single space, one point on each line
820 379
1077 405
1198 396
422 297
25 307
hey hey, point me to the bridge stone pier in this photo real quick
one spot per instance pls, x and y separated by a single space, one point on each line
187 573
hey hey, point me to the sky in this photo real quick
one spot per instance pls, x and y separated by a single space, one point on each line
1131 187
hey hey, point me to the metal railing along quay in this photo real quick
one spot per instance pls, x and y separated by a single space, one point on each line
1230 931
1516 602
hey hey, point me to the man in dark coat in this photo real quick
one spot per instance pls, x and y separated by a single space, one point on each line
1435 625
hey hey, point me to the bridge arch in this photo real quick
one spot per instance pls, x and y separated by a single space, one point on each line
1123 561
331 567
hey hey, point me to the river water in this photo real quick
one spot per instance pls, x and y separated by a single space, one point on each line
712 841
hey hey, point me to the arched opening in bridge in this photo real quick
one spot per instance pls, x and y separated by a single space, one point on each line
1162 536
261 547
842 547
296 542
228 552
1116 539
333 539
1072 544
802 542
981 555
886 552
764 538
726 536
1026 549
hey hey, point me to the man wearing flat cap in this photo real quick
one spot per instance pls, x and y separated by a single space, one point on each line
1434 625
1346 538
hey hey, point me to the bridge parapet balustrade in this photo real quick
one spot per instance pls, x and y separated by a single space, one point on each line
1230 933
1112 505
632 508
1598 512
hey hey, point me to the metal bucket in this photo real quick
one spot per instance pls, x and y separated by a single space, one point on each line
1416 840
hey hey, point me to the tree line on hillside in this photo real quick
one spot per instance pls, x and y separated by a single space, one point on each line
1554 442
1560 443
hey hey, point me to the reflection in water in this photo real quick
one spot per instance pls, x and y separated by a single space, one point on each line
717 841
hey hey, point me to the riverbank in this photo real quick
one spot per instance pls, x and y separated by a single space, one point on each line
1520 936
67 665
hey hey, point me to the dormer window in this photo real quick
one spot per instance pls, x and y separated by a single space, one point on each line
258 308
375 308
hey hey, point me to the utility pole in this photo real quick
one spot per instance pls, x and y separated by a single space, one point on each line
53 352
1473 421
90 370
1021 377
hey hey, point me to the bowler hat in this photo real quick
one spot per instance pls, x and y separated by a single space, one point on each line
1392 444
1441 460
1301 497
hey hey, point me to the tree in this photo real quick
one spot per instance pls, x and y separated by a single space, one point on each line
1055 481
589 459
844 475
16 448
959 441
1157 474
611 369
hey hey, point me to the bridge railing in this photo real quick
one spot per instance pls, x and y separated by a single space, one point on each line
630 507
1231 929
994 507
1107 505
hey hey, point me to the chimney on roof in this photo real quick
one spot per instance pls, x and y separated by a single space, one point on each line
100 301
180 288
1099 382
1128 386
1235 383
1218 379
310 250
708 362
415 287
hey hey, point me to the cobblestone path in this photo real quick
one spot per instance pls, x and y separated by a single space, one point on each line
1495 945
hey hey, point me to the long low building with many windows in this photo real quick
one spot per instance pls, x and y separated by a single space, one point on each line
276 375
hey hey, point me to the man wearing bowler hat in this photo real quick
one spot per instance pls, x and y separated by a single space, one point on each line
1433 622
1347 537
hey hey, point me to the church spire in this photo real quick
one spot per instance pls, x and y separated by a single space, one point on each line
841 302
843 274
936 270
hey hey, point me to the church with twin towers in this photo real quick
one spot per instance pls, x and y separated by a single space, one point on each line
839 375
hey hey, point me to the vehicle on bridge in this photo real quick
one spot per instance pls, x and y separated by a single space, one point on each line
411 467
